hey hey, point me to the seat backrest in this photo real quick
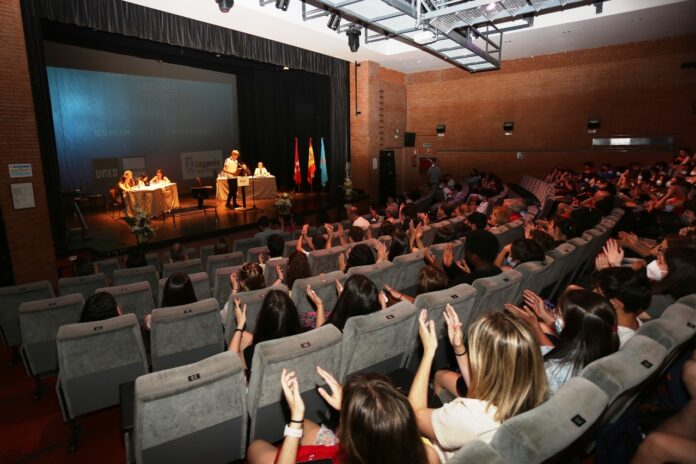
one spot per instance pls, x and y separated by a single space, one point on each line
428 235
135 298
137 274
563 257
192 413
493 292
216 262
185 334
221 284
94 358
300 354
377 342
253 300
545 431
323 285
201 287
462 298
290 246
10 300
476 451
689 300
621 374
107 266
189 266
40 321
503 234
243 244
84 285
536 275
325 261
153 259
270 273
379 273
673 330
253 254
405 273
204 252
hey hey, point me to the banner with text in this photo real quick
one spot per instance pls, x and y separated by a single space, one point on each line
201 164
107 173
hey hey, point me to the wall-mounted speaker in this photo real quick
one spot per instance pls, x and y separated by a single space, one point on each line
440 129
508 127
409 139
592 125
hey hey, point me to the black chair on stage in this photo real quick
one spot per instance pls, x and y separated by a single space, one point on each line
201 192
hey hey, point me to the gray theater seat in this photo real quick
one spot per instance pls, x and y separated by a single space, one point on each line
39 321
501 234
189 266
10 300
137 274
94 358
378 342
85 285
254 301
325 261
107 266
270 273
290 246
324 286
380 273
493 292
552 427
185 334
192 413
254 253
222 286
462 298
216 262
133 298
243 244
153 259
536 275
406 269
205 252
562 256
300 354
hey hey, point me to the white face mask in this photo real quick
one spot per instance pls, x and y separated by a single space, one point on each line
654 271
658 183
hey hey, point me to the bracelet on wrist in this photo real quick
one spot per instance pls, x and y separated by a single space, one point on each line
238 330
292 432
301 421
461 354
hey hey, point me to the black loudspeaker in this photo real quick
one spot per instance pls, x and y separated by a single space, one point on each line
409 139
387 174
440 129
508 127
592 125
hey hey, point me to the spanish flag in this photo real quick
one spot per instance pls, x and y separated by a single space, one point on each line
311 167
298 173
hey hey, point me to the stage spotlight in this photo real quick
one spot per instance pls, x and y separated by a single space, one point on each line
282 4
334 22
225 5
353 34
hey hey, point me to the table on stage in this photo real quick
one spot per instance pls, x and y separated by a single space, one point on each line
264 187
154 199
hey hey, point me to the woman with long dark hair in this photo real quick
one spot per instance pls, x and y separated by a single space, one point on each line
298 268
277 318
377 425
178 290
359 296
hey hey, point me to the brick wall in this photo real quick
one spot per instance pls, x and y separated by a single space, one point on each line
635 89
28 231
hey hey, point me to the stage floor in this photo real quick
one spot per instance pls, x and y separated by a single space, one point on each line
108 234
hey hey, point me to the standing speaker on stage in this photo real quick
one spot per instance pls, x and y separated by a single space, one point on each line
232 169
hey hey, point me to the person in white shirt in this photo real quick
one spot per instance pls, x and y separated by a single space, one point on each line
357 220
502 375
261 171
160 178
231 170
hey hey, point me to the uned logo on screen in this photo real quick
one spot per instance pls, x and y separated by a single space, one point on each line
106 173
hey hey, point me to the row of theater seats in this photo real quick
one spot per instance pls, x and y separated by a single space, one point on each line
542 191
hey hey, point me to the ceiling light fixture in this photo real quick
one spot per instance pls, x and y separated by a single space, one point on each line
282 4
491 6
353 34
225 5
334 22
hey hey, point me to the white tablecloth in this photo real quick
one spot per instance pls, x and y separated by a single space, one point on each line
153 199
264 187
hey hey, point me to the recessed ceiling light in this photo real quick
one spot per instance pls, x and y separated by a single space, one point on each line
491 6
566 31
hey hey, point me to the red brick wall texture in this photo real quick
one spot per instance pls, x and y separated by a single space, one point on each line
635 89
28 231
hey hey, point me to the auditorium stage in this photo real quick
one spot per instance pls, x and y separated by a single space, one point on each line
108 234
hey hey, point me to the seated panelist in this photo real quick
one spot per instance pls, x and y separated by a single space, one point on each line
160 178
261 171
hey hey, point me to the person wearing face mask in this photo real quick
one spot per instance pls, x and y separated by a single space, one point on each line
679 279
586 330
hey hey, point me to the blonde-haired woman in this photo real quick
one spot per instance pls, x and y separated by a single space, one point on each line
126 183
503 370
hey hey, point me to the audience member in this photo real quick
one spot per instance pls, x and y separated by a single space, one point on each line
480 252
98 307
358 296
136 258
177 253
82 267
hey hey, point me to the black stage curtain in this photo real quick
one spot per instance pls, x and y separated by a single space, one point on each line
118 17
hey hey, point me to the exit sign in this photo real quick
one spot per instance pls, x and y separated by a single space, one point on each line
427 145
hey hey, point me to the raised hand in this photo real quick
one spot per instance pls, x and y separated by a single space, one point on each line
313 297
234 282
382 297
339 288
334 399
382 253
454 328
536 304
426 331
448 256
528 228
614 253
342 262
280 273
291 390
601 262
524 314
240 313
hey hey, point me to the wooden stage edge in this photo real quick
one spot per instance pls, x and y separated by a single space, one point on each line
108 234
